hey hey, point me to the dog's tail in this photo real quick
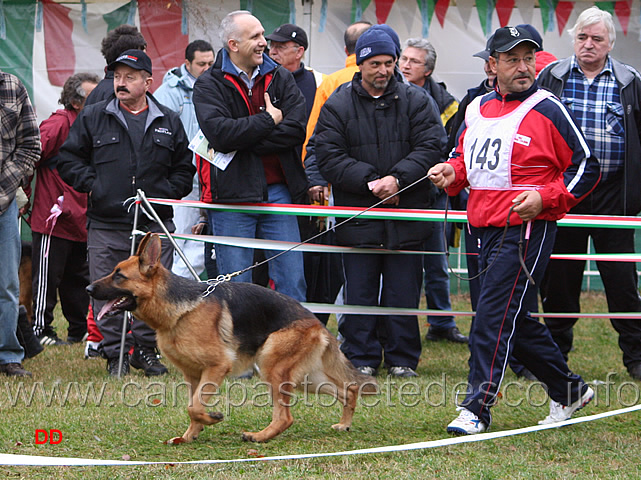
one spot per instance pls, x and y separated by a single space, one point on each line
337 366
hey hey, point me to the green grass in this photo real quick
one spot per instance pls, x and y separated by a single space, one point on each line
130 419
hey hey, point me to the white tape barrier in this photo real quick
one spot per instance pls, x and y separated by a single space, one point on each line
276 245
28 460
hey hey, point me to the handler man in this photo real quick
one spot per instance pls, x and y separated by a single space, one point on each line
527 163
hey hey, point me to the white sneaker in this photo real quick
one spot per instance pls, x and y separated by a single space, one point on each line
559 413
91 350
467 423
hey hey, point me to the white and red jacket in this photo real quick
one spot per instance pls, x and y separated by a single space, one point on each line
521 142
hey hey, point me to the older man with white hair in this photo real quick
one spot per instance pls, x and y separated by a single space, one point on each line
605 97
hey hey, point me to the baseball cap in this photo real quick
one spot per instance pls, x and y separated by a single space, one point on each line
288 32
485 54
506 38
136 59
535 34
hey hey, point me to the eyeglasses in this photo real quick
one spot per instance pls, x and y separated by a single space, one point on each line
514 61
412 61
279 46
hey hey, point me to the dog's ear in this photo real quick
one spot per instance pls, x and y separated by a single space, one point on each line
143 243
149 253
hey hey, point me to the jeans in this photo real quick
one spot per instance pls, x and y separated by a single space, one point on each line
286 271
436 272
10 349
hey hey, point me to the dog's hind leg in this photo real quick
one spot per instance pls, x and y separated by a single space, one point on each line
348 396
281 393
202 390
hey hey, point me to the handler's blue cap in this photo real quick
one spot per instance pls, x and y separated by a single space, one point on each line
374 42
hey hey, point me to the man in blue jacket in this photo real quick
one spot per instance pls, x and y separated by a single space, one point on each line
114 148
252 112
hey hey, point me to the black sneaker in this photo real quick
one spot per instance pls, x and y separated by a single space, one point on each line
113 363
403 372
367 370
635 371
147 360
51 339
450 334
71 339
14 370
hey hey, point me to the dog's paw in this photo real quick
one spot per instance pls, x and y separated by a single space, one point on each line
251 437
340 427
216 416
175 441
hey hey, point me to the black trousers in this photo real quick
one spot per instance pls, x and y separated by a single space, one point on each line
386 281
561 288
106 249
503 326
59 269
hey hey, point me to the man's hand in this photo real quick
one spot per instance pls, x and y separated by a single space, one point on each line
385 187
276 114
530 204
442 175
318 194
198 228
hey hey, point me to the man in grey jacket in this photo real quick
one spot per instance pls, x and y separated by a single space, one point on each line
605 97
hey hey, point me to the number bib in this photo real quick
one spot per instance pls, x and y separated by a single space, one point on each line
488 143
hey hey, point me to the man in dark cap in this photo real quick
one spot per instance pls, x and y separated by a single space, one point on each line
375 136
287 46
526 163
115 147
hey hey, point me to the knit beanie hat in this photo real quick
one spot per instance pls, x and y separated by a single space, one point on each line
393 35
374 42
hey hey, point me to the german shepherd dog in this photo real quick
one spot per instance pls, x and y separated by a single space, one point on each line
226 331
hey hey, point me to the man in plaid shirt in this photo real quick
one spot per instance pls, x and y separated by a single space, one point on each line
19 150
605 97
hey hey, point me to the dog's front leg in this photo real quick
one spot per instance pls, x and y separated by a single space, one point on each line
202 391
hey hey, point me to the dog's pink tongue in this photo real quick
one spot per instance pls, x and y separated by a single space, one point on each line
105 309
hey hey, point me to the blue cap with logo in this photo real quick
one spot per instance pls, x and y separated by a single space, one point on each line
374 42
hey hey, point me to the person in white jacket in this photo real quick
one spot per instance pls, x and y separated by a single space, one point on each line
176 93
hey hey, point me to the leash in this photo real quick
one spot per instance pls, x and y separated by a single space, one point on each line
212 284
503 235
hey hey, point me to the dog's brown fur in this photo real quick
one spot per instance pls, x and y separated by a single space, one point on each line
237 324
25 276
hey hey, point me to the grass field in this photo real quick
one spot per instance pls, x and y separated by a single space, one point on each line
113 419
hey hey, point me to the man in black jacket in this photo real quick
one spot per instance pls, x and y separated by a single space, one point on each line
605 97
373 138
252 112
123 37
114 148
